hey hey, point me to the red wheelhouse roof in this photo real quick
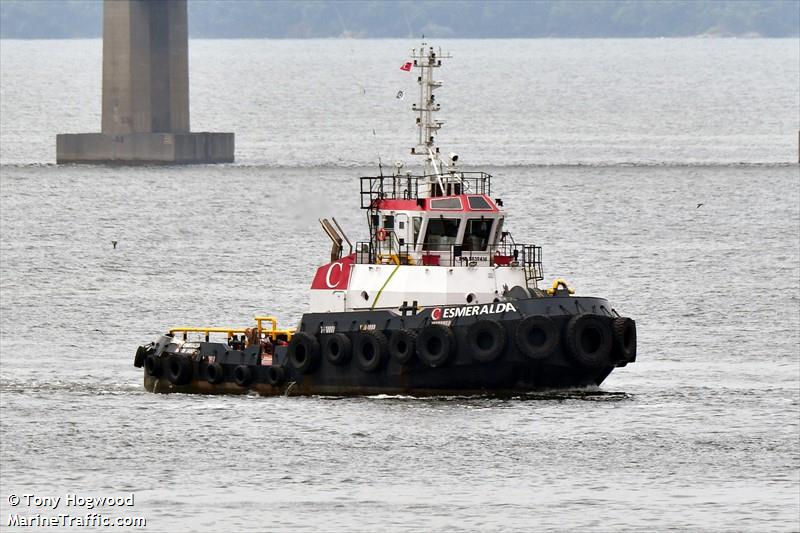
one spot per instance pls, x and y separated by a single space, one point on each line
479 203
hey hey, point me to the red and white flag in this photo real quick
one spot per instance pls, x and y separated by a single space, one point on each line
406 66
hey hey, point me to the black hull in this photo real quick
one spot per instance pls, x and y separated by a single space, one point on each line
489 353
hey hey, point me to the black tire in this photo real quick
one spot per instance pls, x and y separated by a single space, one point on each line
337 348
242 375
435 345
275 375
152 365
589 339
486 340
403 346
215 373
179 370
623 330
537 337
304 353
138 359
371 350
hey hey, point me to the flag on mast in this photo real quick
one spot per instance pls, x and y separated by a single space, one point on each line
406 66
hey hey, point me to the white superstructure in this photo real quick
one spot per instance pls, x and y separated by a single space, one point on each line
435 238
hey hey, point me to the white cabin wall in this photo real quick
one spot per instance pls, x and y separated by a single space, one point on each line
428 285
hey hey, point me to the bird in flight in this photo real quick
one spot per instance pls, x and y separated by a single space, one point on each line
700 205
114 243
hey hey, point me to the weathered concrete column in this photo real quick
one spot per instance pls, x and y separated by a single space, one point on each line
145 92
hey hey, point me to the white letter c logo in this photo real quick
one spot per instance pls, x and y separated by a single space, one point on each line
328 281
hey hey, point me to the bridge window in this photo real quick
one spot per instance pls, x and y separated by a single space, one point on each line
446 203
441 233
476 236
388 222
417 224
478 203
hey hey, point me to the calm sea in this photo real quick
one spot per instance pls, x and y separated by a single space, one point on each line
601 150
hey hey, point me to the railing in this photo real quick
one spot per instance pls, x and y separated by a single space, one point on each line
528 256
274 333
409 187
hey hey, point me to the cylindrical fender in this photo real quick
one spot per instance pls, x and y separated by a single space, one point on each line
536 337
435 345
486 340
337 348
303 352
371 350
588 340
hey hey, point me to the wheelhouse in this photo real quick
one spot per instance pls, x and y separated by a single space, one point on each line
439 220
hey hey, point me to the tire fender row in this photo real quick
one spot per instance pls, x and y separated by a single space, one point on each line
589 341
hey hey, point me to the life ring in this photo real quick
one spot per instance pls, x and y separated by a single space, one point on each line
215 373
623 330
242 375
588 339
536 337
435 345
275 375
402 346
381 234
303 352
337 348
486 340
152 365
179 369
370 350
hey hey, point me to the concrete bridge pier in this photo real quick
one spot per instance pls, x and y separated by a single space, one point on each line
145 93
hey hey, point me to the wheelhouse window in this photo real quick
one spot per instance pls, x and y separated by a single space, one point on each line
417 224
446 203
479 203
441 233
476 235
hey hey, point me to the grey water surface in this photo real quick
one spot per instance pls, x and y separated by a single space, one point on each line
601 151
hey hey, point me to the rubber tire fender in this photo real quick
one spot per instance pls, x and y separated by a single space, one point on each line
486 340
179 369
435 345
588 339
138 359
242 375
153 365
337 348
623 330
403 346
371 350
303 352
537 337
215 374
275 375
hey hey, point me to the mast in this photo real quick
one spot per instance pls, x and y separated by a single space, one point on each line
426 59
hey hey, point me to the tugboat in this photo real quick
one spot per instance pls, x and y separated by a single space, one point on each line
440 300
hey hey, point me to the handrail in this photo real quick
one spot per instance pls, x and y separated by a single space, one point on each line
206 330
528 256
411 187
273 332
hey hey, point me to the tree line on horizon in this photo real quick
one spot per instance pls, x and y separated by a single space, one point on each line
25 19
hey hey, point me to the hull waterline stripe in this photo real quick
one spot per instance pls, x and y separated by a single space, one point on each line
385 283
